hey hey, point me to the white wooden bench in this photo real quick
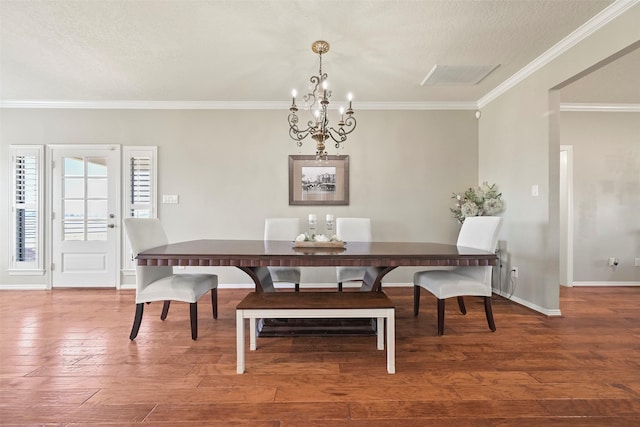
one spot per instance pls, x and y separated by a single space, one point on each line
316 305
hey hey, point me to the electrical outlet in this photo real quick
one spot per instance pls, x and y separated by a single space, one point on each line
613 262
637 262
514 272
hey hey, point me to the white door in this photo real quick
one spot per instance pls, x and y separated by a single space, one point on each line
85 215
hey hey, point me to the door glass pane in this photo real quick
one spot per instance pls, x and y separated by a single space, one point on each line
73 166
73 188
97 188
73 230
97 209
96 166
97 229
73 209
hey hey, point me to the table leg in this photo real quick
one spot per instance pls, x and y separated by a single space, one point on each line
380 333
240 341
261 277
372 280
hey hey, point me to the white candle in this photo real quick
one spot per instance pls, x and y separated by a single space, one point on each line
312 218
329 218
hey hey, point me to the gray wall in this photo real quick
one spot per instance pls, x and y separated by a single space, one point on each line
606 173
519 142
230 169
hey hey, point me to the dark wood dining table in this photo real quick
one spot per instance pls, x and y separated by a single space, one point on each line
254 256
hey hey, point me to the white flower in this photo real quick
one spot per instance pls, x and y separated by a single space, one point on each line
321 238
469 209
301 238
335 238
492 206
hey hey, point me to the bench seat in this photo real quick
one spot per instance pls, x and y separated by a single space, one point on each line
315 305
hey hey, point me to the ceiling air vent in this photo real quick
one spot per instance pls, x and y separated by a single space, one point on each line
441 75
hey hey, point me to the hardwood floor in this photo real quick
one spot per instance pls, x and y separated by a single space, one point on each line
65 359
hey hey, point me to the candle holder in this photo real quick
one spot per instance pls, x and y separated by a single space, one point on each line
329 224
312 225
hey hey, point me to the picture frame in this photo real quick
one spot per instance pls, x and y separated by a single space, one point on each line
318 181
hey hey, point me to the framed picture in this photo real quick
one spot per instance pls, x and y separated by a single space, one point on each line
318 182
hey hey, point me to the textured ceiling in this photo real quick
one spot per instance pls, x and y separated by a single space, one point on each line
258 51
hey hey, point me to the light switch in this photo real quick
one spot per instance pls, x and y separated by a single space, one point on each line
534 190
170 198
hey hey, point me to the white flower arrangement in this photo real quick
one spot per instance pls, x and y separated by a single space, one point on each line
477 201
305 237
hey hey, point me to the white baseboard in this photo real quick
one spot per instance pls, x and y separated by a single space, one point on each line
528 304
23 287
606 283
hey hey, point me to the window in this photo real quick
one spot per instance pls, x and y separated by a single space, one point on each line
140 190
27 254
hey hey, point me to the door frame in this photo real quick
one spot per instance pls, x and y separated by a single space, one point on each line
566 207
49 205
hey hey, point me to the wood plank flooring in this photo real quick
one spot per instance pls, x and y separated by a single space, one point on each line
65 359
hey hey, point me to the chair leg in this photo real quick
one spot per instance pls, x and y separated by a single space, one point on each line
297 287
339 286
214 302
440 317
416 300
193 312
489 312
136 321
463 309
165 309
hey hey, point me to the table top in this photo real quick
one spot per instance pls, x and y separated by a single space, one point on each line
260 253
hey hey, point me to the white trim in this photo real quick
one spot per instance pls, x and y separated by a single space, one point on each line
224 105
608 14
24 287
26 272
621 283
528 304
601 108
568 149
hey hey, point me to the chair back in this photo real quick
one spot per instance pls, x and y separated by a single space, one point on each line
143 234
479 232
354 229
281 228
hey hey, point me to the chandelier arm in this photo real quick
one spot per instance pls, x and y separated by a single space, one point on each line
350 124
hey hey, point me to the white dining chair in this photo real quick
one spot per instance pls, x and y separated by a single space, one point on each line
285 229
352 230
478 232
158 283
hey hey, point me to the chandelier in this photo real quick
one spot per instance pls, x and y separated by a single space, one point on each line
317 102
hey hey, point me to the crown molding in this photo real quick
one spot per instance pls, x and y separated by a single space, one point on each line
601 108
145 105
221 105
607 15
277 105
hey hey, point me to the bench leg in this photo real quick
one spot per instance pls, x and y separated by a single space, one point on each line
253 333
380 333
391 341
240 341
